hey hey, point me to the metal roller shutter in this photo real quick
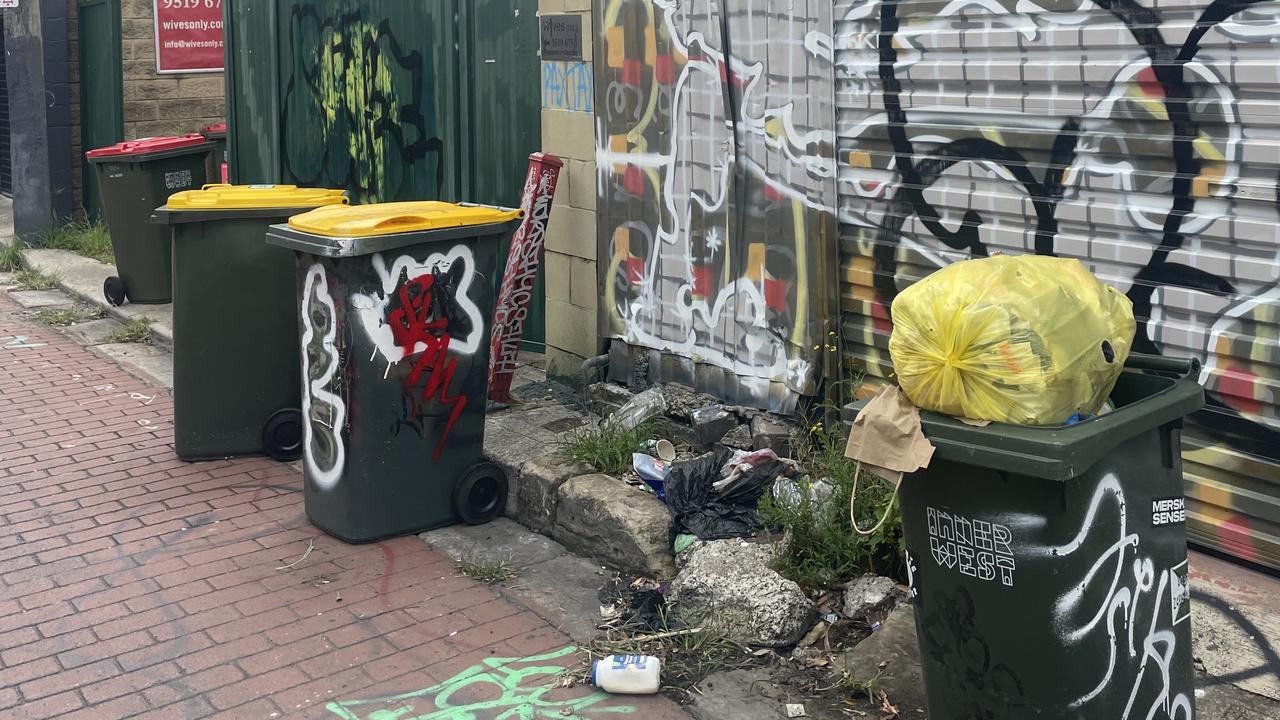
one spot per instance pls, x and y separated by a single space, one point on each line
1143 140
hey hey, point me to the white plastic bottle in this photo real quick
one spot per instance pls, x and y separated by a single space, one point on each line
628 674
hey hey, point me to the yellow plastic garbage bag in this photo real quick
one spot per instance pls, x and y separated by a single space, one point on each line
1025 340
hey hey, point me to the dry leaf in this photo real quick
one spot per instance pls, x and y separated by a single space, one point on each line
883 664
891 712
812 636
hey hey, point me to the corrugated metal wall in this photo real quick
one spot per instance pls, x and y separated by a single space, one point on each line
1142 138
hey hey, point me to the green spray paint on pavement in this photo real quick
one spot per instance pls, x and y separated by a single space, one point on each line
521 685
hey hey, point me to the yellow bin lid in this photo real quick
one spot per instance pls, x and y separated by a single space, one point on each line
254 197
356 221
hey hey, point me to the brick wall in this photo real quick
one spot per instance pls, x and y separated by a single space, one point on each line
154 104
568 130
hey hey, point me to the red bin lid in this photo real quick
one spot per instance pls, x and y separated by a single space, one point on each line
146 146
215 129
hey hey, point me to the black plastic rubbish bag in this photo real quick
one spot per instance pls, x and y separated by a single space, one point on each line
698 508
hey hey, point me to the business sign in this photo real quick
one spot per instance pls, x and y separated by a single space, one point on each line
188 36
561 37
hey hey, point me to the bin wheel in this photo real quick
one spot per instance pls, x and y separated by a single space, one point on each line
113 291
282 435
481 495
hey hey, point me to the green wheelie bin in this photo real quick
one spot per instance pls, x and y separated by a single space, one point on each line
133 179
396 310
1048 566
236 367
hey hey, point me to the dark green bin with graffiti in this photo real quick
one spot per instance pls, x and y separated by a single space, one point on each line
236 367
133 179
1048 566
395 318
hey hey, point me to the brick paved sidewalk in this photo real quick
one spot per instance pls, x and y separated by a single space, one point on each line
135 584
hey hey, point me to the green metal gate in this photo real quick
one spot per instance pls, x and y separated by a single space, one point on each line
504 78
101 87
390 100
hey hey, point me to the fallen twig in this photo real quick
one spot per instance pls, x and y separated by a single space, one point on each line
311 545
665 635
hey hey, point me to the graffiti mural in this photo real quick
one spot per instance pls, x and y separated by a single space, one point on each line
717 190
323 409
496 688
1131 137
567 86
424 313
358 110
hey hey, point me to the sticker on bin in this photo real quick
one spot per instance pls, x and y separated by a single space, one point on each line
178 180
393 218
254 197
1168 511
977 548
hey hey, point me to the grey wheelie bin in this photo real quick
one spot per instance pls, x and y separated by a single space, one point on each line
237 384
133 179
1048 566
395 317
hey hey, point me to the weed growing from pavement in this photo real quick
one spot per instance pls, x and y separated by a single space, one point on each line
824 550
136 331
688 656
56 318
607 448
83 237
34 280
11 257
65 318
487 570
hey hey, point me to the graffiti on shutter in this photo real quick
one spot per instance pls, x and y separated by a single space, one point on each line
1140 140
717 190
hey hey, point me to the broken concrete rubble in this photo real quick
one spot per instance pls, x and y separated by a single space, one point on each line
870 595
626 528
682 400
729 584
738 438
772 432
711 423
605 398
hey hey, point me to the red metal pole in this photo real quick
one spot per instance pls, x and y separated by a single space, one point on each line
522 270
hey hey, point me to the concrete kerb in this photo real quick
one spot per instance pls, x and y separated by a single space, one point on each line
82 278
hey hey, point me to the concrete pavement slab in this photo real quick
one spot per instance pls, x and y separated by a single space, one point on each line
41 299
93 332
150 362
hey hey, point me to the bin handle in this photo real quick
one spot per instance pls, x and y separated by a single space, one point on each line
400 220
1183 368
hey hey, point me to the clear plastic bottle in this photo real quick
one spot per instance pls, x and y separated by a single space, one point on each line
628 674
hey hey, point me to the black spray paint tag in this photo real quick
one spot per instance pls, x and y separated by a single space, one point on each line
1168 511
